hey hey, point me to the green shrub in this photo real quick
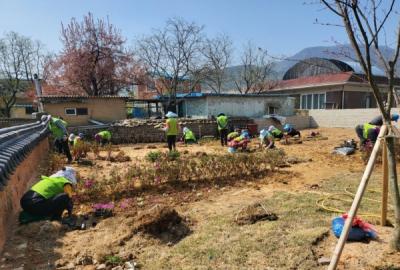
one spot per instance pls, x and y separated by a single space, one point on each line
113 260
153 156
173 155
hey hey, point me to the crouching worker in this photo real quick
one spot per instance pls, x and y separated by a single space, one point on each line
290 131
276 133
266 139
103 137
236 140
49 197
188 136
367 132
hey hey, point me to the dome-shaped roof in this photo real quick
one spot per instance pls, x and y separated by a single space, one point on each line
316 66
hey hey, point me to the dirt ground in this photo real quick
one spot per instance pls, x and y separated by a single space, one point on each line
204 234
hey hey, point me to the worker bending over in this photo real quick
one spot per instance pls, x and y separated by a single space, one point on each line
238 139
367 132
51 195
266 139
103 137
222 122
58 128
276 133
290 131
188 136
378 121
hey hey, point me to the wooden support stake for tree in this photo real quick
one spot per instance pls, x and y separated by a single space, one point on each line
385 183
356 202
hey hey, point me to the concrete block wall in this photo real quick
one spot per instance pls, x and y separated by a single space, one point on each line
347 118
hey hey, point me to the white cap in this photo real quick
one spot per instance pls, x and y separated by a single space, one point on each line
71 137
69 173
271 128
171 115
44 118
185 129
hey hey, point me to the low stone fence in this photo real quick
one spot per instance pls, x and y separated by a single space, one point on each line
148 131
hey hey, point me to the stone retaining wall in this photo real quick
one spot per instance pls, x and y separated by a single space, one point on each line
148 131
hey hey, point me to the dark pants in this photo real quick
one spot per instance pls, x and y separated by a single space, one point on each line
293 133
223 133
35 204
360 135
171 139
63 148
103 142
190 141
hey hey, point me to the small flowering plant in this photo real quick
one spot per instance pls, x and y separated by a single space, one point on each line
108 206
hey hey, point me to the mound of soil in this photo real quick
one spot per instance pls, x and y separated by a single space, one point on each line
254 213
162 222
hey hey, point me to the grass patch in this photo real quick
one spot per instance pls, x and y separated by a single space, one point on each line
287 243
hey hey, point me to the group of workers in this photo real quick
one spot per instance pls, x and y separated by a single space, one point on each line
52 195
63 140
239 139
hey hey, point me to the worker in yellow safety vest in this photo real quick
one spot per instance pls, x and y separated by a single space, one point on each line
367 132
171 129
103 137
51 195
222 122
58 128
188 136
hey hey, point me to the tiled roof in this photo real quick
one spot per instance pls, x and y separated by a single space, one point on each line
16 143
337 78
81 97
327 79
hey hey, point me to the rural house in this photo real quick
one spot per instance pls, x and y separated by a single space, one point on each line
319 83
78 110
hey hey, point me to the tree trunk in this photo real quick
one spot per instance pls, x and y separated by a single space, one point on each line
391 154
7 111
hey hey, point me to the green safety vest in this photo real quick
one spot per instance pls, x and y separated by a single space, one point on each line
105 134
172 127
367 127
49 187
233 135
276 132
77 141
55 130
189 135
222 122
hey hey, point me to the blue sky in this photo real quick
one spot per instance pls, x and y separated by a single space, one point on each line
282 26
